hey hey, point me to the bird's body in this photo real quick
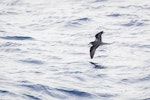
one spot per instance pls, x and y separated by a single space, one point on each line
96 43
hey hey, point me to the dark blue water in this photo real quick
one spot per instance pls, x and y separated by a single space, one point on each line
44 51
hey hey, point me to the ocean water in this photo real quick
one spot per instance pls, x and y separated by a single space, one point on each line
44 51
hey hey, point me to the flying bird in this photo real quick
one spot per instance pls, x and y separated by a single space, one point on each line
95 44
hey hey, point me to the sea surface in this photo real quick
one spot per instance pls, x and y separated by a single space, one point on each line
44 50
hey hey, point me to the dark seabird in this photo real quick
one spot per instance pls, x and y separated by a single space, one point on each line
96 43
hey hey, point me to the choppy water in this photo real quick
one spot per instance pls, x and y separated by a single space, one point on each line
44 51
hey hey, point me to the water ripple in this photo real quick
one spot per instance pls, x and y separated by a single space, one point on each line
135 6
17 38
106 95
146 78
134 23
37 87
114 15
31 97
100 0
3 91
83 19
2 30
75 93
146 99
6 93
77 22
10 44
32 61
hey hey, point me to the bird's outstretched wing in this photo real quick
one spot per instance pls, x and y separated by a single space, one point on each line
92 51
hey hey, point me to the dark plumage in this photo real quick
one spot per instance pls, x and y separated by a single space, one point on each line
96 43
